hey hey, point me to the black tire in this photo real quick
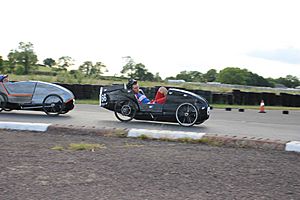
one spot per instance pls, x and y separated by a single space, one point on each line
3 101
53 105
125 110
64 112
186 114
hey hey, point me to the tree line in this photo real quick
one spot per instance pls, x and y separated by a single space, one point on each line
23 60
235 75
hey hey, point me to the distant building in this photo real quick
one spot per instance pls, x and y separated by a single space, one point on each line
278 85
176 81
213 83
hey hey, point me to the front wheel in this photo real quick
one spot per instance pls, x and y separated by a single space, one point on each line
53 105
125 110
186 114
3 101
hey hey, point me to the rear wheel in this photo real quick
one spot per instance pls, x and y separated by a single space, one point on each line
125 110
53 105
186 114
3 101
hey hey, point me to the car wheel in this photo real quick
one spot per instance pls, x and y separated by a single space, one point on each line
64 112
125 110
3 101
186 114
53 105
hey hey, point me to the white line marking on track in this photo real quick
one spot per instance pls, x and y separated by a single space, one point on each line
293 146
24 126
157 134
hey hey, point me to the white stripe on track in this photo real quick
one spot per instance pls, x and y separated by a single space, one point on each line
157 134
293 146
24 126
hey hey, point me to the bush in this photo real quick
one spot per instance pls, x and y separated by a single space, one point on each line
20 70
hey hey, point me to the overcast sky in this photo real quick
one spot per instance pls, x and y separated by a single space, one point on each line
167 36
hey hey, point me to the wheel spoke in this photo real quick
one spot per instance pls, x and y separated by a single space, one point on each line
53 105
193 114
124 111
181 112
186 114
184 118
189 120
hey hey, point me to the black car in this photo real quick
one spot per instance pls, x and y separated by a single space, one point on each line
181 106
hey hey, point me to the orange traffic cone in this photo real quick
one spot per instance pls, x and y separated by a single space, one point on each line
262 107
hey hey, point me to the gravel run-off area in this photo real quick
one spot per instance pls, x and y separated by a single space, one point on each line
124 168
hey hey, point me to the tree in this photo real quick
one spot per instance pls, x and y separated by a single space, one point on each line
129 67
256 80
233 75
78 76
170 78
157 77
137 71
211 75
96 69
184 75
85 68
190 76
289 81
65 62
1 64
89 69
24 55
49 62
141 73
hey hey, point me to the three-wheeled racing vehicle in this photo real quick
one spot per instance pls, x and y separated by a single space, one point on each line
35 95
181 106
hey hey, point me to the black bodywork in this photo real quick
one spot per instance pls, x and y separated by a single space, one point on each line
181 106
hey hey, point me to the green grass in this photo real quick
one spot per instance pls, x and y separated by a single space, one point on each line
44 69
58 148
223 106
205 140
220 106
80 147
87 101
85 146
64 77
132 145
143 137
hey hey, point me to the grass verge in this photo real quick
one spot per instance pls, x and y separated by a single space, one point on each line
220 106
85 146
58 148
223 106
80 147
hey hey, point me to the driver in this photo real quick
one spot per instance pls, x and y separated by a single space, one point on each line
139 96
4 78
160 97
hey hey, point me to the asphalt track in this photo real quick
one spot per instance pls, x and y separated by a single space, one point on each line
273 124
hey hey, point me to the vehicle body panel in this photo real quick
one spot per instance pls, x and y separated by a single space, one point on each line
157 112
31 94
43 89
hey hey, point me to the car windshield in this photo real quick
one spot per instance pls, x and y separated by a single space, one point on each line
20 87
